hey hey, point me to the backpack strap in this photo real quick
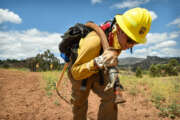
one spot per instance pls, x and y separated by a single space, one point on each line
101 34
104 43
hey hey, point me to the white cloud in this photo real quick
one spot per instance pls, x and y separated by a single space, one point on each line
175 22
124 54
153 15
129 4
159 44
8 16
159 37
165 44
96 1
23 44
174 35
140 51
171 52
156 37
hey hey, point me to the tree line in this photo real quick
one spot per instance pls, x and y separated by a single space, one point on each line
41 62
160 70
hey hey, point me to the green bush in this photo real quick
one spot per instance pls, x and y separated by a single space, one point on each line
139 72
174 109
154 71
173 62
170 69
5 65
178 68
171 110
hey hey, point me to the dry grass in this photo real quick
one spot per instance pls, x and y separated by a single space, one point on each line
164 92
17 69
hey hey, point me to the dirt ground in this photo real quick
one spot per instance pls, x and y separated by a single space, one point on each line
23 97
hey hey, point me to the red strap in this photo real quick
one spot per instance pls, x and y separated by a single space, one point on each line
110 39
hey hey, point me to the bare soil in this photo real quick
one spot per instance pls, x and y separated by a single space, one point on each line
23 97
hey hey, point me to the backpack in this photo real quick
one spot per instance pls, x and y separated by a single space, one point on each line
70 41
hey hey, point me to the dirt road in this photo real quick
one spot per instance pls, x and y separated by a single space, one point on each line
23 97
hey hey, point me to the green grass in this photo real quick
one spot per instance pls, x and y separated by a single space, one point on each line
164 92
50 77
56 102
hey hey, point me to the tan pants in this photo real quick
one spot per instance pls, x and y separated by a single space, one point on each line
107 108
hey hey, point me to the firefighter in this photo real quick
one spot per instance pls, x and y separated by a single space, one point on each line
124 32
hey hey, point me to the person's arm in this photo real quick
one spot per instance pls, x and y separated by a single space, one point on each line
89 48
88 61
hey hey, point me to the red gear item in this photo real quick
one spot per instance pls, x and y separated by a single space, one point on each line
105 26
110 36
110 39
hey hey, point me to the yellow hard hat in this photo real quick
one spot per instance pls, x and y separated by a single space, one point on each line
135 23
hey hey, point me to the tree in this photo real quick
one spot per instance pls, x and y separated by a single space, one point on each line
139 72
44 61
171 67
178 68
173 62
160 69
5 65
153 71
171 70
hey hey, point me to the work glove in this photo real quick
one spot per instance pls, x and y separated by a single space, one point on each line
108 59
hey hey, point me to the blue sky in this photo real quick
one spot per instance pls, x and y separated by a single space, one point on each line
28 27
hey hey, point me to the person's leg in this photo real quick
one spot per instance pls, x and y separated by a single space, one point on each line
108 109
79 99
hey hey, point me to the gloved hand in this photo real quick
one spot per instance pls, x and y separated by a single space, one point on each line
107 59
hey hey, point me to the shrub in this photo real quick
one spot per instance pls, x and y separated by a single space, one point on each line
178 68
139 72
5 65
173 62
171 70
154 71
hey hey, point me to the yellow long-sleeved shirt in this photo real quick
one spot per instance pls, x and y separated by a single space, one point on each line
89 48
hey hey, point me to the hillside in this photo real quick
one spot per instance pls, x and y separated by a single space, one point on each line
133 63
130 60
